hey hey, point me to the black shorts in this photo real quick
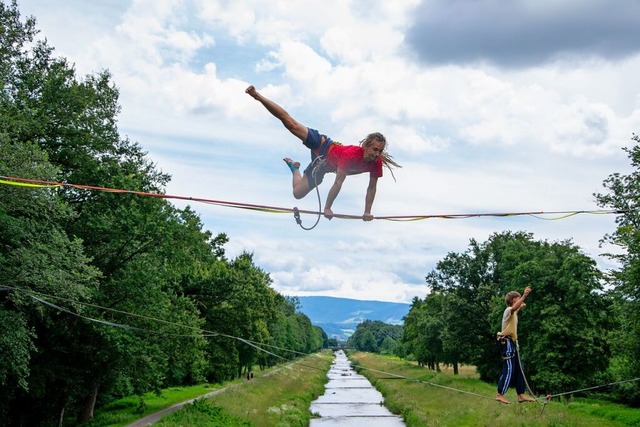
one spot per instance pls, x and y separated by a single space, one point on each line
319 174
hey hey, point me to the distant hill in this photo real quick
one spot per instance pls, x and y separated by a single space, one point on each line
340 316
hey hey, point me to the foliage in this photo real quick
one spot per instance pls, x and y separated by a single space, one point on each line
128 409
422 328
560 331
37 255
623 194
376 336
109 294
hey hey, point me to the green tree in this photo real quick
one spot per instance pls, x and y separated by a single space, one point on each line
36 255
464 282
292 331
565 319
140 246
237 302
384 336
366 341
623 193
422 331
388 345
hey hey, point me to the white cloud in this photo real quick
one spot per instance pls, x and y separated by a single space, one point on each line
472 138
237 17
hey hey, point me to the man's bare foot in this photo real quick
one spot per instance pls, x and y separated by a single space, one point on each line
292 165
500 398
522 398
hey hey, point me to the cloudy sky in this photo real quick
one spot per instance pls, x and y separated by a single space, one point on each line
489 106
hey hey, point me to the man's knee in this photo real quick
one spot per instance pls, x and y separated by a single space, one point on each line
295 128
301 189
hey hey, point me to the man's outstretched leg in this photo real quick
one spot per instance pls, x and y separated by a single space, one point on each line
299 181
278 112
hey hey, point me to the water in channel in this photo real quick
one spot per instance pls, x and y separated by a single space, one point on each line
350 400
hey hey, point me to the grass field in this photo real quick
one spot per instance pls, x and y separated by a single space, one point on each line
129 409
281 397
430 405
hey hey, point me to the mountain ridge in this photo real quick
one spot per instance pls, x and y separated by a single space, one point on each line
339 317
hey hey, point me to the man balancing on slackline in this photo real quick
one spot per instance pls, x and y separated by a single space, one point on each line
344 160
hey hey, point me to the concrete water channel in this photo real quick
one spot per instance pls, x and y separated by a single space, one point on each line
350 400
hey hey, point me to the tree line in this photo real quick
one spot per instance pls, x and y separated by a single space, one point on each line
376 336
105 294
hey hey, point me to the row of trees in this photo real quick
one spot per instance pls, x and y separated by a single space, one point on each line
580 328
566 316
376 337
109 294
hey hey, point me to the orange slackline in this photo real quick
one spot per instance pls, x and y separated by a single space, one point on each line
35 183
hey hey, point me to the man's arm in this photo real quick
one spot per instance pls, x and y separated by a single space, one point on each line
520 301
371 195
333 192
278 112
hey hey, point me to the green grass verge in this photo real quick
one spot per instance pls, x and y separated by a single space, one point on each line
280 399
422 404
611 411
280 396
202 413
129 409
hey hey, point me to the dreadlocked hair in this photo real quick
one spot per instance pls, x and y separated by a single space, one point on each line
387 159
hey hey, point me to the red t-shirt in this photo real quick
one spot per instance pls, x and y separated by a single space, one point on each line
350 158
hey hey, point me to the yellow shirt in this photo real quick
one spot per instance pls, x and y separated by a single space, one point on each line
510 324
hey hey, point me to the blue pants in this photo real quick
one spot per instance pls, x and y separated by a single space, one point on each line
510 368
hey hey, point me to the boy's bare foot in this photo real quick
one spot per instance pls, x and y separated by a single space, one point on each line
522 398
292 165
500 398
